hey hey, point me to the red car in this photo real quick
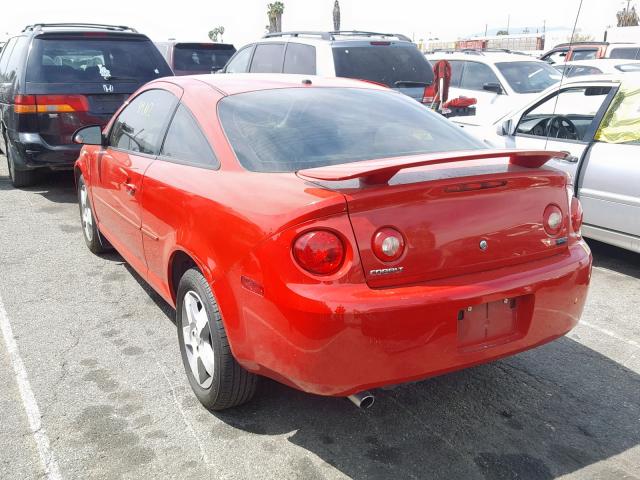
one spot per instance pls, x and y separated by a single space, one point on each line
331 234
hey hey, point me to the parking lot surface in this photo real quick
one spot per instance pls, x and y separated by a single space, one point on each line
98 351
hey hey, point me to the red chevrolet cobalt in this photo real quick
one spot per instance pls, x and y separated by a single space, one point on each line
331 234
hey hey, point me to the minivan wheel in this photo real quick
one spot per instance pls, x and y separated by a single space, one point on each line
92 237
215 376
19 178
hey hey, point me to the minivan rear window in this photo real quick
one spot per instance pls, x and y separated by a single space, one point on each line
383 62
288 129
81 60
197 57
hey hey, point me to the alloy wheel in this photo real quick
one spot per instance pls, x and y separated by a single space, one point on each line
87 215
196 335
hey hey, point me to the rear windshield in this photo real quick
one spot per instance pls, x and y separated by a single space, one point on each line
285 130
389 64
54 60
195 57
529 77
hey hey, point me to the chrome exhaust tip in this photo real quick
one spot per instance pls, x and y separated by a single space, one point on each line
362 400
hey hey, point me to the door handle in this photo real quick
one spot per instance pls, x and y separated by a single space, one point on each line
130 188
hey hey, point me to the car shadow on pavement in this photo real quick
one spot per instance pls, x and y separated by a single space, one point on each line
544 413
613 258
57 187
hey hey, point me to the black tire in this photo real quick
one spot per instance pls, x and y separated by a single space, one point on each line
92 236
19 178
230 384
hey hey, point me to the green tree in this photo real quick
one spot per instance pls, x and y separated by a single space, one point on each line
213 34
502 32
628 16
274 13
578 36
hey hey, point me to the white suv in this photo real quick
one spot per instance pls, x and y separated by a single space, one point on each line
389 59
499 81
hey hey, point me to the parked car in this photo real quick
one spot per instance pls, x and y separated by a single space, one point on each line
579 51
566 52
55 78
498 81
190 58
597 67
596 120
628 51
329 233
389 59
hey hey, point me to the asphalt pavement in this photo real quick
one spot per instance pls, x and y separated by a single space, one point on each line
92 385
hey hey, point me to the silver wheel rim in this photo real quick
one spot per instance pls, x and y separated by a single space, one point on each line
196 336
85 213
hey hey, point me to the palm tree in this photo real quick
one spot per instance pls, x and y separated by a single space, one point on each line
628 16
274 12
213 34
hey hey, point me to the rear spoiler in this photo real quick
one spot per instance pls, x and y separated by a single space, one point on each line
371 172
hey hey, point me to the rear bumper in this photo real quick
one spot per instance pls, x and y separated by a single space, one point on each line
35 152
340 339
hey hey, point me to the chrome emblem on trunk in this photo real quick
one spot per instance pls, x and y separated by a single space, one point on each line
483 245
386 271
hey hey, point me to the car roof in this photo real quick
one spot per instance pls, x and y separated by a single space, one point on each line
234 83
602 62
484 57
323 38
628 78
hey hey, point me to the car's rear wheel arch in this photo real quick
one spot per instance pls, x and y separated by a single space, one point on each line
179 263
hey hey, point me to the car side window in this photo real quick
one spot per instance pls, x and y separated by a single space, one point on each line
142 124
240 61
268 58
300 58
628 53
584 54
568 114
13 66
621 123
185 142
456 72
558 56
476 75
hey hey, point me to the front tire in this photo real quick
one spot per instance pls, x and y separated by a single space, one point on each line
215 376
92 237
19 178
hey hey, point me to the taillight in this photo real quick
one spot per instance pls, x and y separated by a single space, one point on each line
388 244
552 219
50 103
576 215
24 104
319 251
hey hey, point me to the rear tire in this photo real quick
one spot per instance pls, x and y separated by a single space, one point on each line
216 378
92 236
19 178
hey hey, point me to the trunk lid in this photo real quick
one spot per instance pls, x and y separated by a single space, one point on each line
444 211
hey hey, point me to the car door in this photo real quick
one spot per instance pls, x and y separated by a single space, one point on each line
476 78
609 186
133 143
581 106
175 187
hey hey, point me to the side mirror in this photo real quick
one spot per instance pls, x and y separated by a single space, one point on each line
492 87
504 128
89 135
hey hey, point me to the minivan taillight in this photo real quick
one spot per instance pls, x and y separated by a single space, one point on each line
50 103
576 215
24 104
319 251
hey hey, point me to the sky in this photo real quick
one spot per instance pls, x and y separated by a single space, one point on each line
245 20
